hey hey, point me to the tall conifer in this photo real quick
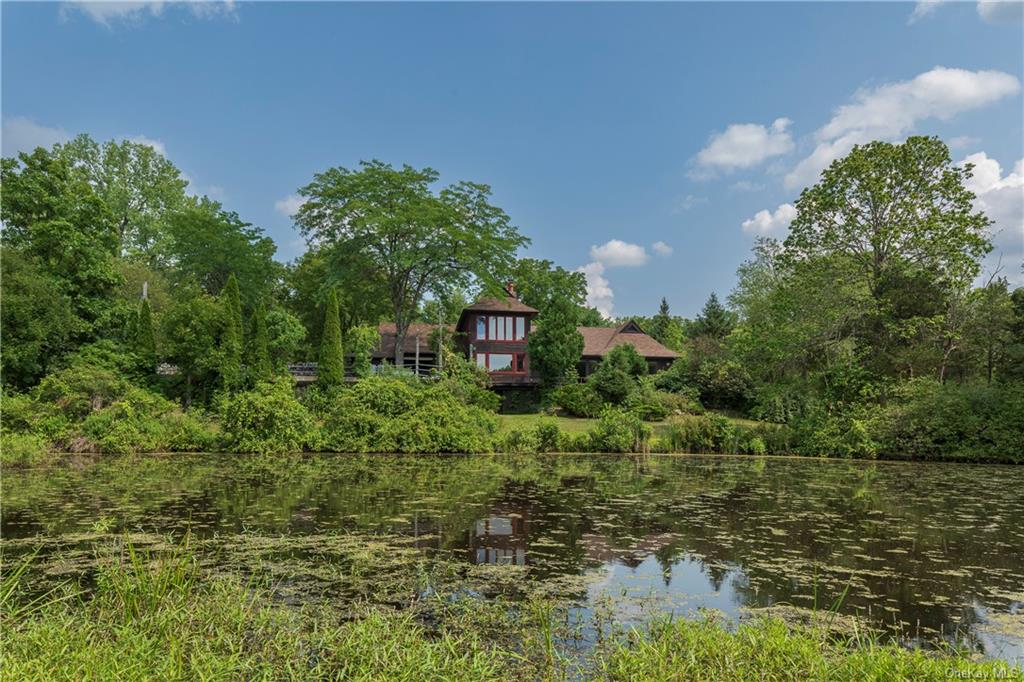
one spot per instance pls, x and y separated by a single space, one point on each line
331 370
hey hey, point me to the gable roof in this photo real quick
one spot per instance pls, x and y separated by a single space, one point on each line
490 304
598 341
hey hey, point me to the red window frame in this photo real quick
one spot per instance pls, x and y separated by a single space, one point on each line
507 322
518 363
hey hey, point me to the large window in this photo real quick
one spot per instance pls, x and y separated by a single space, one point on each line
502 362
500 328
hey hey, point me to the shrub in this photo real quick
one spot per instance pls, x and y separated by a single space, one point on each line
22 449
579 400
387 396
619 431
724 384
684 402
82 389
711 433
646 404
518 441
266 419
132 424
548 435
468 383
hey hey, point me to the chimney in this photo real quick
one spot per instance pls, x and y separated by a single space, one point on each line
511 289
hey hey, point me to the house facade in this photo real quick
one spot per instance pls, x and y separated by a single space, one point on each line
493 333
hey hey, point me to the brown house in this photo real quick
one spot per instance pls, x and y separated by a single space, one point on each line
493 333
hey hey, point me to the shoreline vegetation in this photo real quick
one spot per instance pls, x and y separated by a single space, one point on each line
162 616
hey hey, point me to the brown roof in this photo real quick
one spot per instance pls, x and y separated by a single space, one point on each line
508 304
389 334
598 341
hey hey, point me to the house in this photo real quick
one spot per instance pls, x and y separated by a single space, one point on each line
493 333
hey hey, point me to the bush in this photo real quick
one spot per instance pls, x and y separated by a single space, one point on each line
929 420
711 433
399 414
684 402
132 424
267 419
22 449
646 403
579 400
82 389
548 435
619 431
724 384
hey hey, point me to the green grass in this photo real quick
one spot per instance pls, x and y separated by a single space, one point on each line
166 619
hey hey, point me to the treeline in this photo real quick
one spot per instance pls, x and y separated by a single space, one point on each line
136 316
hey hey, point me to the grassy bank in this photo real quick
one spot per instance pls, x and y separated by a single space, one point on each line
166 619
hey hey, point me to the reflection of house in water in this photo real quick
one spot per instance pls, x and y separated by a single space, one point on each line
600 548
499 539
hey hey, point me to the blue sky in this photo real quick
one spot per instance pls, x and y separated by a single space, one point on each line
647 143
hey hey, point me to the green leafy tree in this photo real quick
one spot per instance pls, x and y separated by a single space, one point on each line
145 338
192 335
285 335
361 341
331 369
36 318
137 184
990 330
887 204
419 241
231 339
260 367
554 344
539 282
207 245
52 215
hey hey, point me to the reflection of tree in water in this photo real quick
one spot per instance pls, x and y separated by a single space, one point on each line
916 539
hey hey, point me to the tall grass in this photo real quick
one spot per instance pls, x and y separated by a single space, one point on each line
162 617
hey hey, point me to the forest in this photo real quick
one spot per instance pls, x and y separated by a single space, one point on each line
137 317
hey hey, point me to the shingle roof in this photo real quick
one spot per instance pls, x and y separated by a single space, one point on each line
389 334
508 304
598 341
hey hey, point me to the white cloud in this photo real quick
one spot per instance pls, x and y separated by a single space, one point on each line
688 202
127 12
890 111
923 8
288 206
157 145
746 186
1001 11
961 141
1000 197
743 145
661 248
22 134
599 291
617 253
767 222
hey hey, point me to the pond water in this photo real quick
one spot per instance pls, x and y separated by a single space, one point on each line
927 552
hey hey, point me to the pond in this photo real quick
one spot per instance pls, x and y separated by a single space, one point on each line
925 552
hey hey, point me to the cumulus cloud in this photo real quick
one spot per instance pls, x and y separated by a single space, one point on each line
617 253
1001 198
1001 11
288 206
599 291
661 248
743 145
22 134
768 222
890 111
126 12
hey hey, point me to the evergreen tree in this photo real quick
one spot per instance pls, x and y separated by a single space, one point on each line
714 320
555 346
145 339
231 338
331 371
259 354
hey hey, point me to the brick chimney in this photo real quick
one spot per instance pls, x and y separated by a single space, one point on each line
511 289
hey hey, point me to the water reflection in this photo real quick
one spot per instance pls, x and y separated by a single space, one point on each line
931 551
